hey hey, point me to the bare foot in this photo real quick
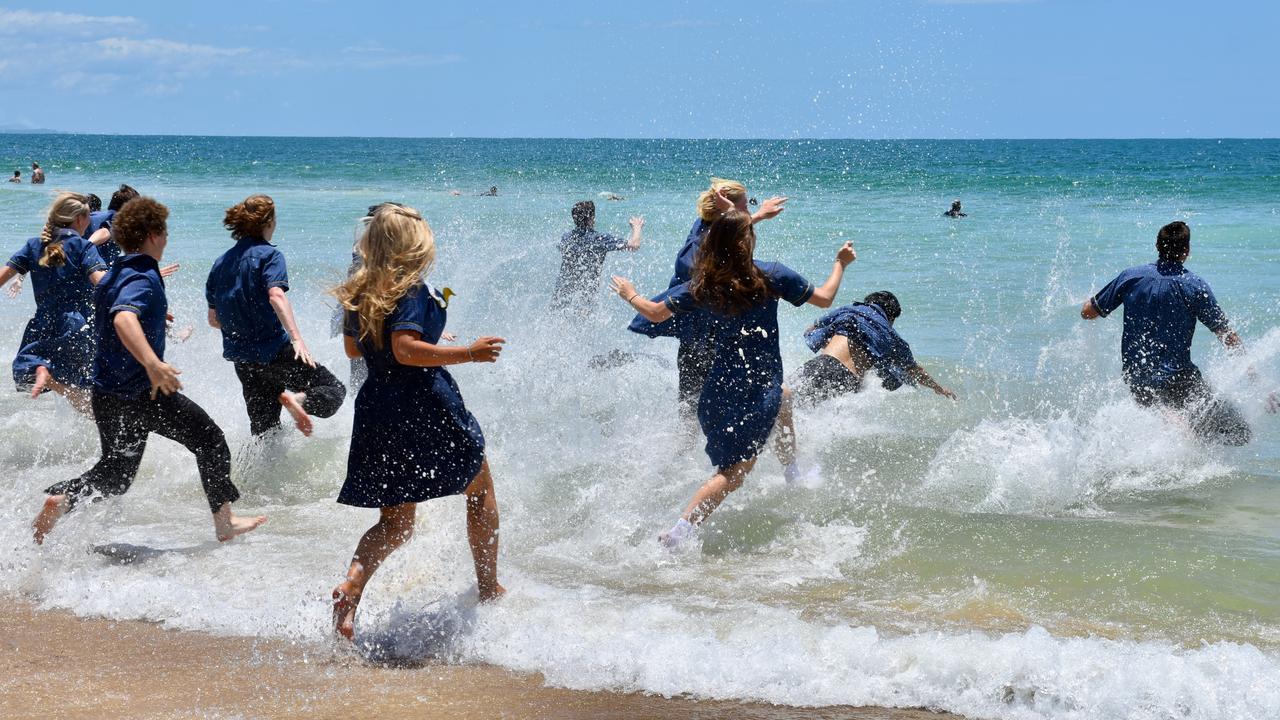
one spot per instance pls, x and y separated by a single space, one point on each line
494 593
293 403
226 525
55 506
42 379
344 610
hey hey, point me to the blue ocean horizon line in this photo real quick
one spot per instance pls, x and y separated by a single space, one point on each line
513 138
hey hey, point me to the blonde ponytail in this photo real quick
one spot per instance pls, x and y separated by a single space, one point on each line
64 211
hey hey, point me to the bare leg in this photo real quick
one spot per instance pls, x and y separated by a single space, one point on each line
43 378
55 506
784 431
293 403
714 491
482 533
393 529
227 525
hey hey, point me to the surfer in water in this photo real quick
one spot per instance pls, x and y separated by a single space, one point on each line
955 211
743 398
135 392
1162 303
412 439
853 339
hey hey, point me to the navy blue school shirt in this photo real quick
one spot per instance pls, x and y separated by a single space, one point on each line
422 309
55 288
1162 302
869 327
133 284
237 291
689 325
582 254
109 250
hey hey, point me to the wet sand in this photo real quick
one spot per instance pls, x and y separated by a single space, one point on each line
56 665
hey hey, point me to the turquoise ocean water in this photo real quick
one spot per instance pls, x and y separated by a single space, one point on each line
1041 548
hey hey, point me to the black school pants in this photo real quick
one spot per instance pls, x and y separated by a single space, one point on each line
123 427
262 384
1212 418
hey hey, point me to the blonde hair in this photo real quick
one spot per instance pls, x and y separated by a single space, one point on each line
733 190
66 207
396 250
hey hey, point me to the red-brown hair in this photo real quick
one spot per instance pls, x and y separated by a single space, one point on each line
251 217
725 276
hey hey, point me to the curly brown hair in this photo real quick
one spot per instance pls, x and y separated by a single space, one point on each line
725 276
139 219
249 218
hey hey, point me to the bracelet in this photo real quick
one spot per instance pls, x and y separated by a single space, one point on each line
633 297
470 357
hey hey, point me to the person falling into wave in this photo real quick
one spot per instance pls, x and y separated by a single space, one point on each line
1162 302
743 398
135 392
247 302
852 340
582 252
955 211
412 439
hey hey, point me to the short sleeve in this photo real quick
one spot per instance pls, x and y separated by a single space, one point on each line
679 299
411 311
350 323
91 260
208 287
788 284
1113 294
22 260
274 273
1206 308
135 295
609 243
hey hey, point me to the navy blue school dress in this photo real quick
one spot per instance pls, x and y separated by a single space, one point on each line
60 336
413 439
743 392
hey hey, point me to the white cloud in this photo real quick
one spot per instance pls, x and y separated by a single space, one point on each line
28 22
118 48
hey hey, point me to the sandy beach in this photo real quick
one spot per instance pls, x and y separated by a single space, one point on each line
55 664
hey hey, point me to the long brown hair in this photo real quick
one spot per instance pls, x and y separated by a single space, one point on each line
64 211
725 276
396 250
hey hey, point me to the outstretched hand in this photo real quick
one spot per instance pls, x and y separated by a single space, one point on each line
485 349
636 222
15 288
302 354
770 208
944 392
168 270
622 287
846 254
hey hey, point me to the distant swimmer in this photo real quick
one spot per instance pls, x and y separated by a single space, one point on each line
852 340
582 253
455 193
95 203
246 292
1162 302
135 392
412 438
37 175
611 196
491 192
955 211
17 177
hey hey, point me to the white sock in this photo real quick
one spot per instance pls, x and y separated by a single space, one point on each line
678 534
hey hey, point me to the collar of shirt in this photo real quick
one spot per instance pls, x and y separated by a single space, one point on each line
251 241
141 262
64 233
1170 267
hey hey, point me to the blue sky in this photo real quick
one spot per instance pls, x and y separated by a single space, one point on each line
788 68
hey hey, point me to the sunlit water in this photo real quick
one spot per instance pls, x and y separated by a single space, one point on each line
1041 548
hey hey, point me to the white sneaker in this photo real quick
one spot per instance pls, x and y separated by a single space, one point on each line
678 535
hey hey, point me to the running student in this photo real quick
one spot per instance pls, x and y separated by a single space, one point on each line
247 301
692 328
743 397
582 252
135 393
852 340
57 345
412 439
1162 302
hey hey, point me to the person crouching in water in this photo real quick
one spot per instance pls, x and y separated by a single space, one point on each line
413 439
135 392
247 301
743 397
852 340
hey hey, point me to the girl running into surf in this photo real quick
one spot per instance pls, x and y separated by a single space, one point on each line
743 398
413 439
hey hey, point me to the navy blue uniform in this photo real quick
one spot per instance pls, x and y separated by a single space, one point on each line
109 250
867 327
413 439
582 254
59 337
742 396
123 408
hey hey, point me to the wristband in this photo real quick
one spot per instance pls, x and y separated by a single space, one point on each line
633 297
470 357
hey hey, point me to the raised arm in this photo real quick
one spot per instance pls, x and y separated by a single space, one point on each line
410 349
633 242
1089 311
7 273
284 310
164 377
769 209
652 311
922 377
1230 340
826 294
